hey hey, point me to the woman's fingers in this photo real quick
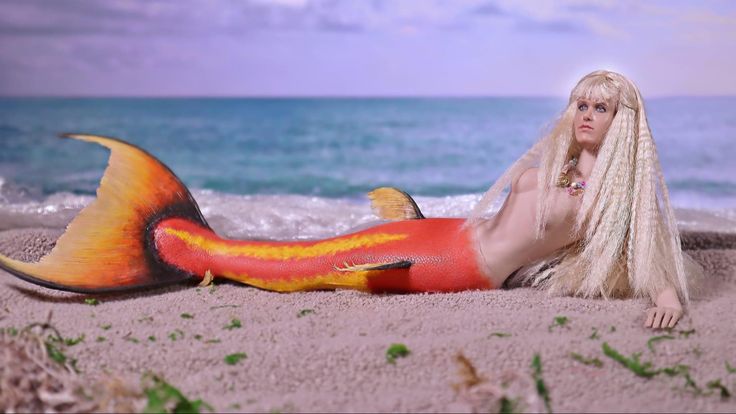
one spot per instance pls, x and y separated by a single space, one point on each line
658 318
668 314
661 317
675 317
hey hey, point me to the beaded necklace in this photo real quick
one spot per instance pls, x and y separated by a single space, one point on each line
574 188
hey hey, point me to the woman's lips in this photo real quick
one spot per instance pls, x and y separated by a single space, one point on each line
585 127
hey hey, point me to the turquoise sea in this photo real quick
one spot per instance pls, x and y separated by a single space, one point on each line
334 150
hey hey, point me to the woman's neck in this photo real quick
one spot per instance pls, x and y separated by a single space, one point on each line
586 161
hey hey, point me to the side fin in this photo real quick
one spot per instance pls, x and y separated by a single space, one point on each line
403 264
109 245
390 203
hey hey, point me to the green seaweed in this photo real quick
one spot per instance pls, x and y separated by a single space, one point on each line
55 353
541 386
106 327
223 306
587 361
509 406
67 341
686 333
233 359
697 351
730 369
92 301
151 338
212 341
187 316
499 334
652 340
594 335
101 339
632 363
165 398
234 324
558 321
176 334
396 351
304 312
716 385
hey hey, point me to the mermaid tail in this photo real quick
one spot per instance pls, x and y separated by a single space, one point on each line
145 229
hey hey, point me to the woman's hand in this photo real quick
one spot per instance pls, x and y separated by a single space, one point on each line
662 317
666 312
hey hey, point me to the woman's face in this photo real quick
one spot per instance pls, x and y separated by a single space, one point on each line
591 122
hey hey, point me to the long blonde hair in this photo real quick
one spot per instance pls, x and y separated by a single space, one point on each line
628 242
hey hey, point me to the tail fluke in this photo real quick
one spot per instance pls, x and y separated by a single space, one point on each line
109 245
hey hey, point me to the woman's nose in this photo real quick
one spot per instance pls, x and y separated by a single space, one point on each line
587 116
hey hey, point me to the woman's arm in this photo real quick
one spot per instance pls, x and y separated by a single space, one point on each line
667 310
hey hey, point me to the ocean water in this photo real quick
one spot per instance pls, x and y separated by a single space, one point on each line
300 168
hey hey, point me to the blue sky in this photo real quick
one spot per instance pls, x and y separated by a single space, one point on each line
361 48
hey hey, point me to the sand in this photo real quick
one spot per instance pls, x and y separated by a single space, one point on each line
333 357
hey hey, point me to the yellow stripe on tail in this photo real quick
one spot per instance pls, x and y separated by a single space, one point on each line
107 247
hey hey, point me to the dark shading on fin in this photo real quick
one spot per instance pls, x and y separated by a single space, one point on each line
403 264
109 246
390 203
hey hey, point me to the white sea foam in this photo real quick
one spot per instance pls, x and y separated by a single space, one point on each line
294 217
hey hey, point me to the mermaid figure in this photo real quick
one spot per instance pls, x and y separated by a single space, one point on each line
587 214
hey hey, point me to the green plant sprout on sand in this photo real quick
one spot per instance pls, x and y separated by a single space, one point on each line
541 387
559 321
106 327
396 351
587 361
187 316
499 334
233 359
165 398
92 301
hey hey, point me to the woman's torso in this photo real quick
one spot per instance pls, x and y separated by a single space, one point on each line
507 241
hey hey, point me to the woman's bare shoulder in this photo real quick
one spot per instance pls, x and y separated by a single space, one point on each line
525 181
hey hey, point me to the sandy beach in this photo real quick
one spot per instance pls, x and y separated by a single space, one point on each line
327 351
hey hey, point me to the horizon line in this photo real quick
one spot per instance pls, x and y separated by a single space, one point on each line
316 96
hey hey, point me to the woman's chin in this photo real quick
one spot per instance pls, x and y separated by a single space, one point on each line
586 141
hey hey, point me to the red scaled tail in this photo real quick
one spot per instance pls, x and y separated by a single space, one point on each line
109 245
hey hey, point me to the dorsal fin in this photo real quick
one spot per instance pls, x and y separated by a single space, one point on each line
390 203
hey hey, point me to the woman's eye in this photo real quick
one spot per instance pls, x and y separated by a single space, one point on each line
582 107
600 108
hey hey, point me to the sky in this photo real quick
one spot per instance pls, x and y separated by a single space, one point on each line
362 47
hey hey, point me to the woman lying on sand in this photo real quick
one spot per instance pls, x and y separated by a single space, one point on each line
588 214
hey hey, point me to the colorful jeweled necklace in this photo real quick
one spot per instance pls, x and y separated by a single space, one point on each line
574 188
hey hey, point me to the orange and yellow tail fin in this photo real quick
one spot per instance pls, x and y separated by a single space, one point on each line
108 246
